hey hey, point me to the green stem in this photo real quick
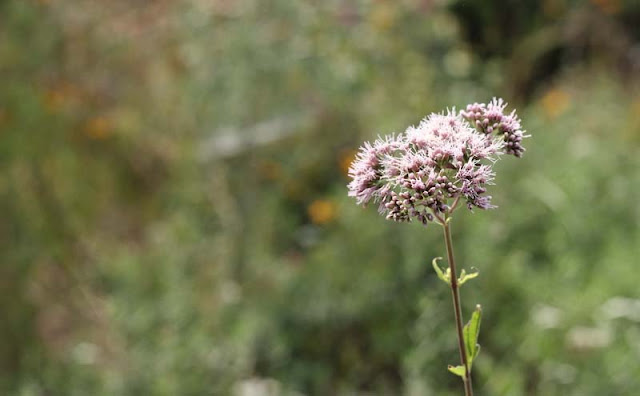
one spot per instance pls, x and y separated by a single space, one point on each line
468 388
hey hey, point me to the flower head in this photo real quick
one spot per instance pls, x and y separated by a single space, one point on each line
367 171
491 118
425 171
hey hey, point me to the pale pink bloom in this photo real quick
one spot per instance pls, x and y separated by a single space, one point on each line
417 174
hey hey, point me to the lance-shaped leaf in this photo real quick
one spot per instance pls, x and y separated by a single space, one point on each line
470 332
445 276
457 370
465 277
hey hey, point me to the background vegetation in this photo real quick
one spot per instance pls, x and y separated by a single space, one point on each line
174 218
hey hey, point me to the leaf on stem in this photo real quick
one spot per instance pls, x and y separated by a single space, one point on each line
470 332
465 277
457 370
446 275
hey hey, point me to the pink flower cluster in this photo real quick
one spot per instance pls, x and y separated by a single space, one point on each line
490 118
424 171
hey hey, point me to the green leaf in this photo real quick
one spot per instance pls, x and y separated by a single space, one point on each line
465 277
457 370
470 332
446 276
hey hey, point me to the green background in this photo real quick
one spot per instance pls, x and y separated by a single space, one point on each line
174 217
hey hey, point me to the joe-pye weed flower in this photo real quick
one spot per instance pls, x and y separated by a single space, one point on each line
424 174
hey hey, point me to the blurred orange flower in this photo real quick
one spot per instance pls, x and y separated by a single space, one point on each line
270 170
555 102
607 6
97 128
345 160
58 97
322 211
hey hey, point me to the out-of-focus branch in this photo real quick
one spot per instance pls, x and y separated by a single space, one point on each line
230 141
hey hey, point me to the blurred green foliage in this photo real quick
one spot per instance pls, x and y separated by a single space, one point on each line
174 211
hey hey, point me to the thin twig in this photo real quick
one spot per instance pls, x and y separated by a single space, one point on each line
440 219
455 204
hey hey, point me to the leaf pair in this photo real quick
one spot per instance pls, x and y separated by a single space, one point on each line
470 334
445 275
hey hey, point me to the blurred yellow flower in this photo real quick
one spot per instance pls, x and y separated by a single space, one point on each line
555 102
383 16
321 211
98 128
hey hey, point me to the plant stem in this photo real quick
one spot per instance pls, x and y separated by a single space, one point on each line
468 388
